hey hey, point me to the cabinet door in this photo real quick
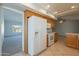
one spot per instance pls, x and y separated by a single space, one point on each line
78 43
71 41
56 37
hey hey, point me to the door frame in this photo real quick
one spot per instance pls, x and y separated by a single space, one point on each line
20 12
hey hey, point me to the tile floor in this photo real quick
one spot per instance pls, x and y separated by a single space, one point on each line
58 49
20 54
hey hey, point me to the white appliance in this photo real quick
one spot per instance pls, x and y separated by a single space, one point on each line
50 39
37 31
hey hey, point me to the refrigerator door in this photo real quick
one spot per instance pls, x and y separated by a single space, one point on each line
37 30
43 32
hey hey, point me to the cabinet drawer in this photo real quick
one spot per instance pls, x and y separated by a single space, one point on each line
71 45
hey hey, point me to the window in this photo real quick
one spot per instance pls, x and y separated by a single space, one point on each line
16 28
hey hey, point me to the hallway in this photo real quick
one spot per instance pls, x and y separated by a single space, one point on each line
12 42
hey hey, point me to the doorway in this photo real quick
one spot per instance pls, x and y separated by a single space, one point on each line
12 42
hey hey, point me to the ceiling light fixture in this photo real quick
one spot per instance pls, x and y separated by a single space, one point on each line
72 7
48 6
61 21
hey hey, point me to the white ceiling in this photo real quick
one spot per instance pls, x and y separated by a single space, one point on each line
17 6
13 11
60 9
55 9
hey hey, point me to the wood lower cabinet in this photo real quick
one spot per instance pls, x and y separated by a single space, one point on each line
72 40
56 36
78 43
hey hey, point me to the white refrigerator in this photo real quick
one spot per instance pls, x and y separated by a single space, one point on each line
37 32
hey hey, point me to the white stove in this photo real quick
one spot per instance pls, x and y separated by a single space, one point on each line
50 39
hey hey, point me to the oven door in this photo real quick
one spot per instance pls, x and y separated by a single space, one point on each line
50 39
